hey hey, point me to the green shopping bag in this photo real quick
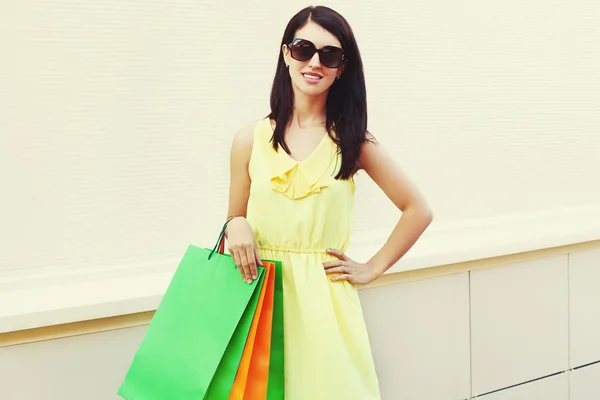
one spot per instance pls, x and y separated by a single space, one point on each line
276 386
195 340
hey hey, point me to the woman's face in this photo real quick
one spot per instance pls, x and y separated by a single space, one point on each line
314 73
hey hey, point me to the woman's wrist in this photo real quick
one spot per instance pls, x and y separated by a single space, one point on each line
377 268
229 220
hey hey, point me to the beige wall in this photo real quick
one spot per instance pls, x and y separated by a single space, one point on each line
481 331
116 117
80 367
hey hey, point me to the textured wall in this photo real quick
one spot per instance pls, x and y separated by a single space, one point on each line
116 117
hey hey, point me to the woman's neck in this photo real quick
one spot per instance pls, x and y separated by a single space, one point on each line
309 111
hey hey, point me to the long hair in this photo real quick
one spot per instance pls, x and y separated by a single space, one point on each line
346 113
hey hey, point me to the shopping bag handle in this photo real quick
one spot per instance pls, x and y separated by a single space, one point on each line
220 245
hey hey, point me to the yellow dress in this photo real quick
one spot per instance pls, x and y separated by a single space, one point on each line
297 210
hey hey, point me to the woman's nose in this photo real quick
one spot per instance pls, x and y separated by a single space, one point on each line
315 61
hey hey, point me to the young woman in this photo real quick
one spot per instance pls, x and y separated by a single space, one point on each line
292 198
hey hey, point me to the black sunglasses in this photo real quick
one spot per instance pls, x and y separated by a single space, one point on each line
304 50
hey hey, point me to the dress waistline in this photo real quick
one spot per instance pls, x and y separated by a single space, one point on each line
283 249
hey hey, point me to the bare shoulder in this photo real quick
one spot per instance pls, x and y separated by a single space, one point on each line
245 135
241 147
370 150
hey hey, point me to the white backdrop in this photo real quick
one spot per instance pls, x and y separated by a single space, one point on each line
116 118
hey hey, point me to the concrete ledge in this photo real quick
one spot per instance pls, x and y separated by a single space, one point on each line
83 294
91 320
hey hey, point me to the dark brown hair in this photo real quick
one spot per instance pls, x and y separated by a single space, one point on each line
347 98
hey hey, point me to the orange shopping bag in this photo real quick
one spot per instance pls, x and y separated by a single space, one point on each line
251 381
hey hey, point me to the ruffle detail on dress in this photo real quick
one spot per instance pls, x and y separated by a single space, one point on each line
300 179
295 184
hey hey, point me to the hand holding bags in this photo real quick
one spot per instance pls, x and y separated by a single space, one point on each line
194 345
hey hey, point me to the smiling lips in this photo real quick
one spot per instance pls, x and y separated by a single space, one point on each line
312 77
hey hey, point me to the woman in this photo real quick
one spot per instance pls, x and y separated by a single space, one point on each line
292 198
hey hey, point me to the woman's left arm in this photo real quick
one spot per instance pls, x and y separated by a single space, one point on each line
416 217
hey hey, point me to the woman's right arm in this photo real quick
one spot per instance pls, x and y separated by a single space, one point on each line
240 237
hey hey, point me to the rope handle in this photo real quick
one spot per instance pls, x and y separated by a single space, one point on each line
220 245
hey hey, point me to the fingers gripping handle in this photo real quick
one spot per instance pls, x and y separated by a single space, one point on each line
220 245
